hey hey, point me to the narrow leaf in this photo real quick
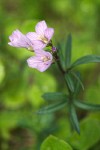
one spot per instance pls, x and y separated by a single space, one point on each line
85 106
74 119
86 59
77 85
56 96
68 51
61 57
69 82
78 79
53 107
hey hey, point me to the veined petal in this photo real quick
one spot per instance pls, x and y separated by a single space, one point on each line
33 61
41 53
38 45
41 61
17 39
49 33
32 36
42 67
41 27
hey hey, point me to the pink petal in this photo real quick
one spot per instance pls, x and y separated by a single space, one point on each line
49 33
33 62
41 52
32 36
38 45
40 27
17 39
42 67
38 63
15 35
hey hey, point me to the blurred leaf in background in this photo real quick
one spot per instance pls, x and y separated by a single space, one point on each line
53 143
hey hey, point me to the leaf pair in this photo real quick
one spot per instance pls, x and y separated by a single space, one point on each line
65 56
82 105
61 101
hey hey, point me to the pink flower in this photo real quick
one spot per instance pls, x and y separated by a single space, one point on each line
42 36
41 61
17 39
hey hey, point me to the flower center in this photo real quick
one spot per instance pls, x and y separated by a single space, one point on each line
30 48
43 39
45 58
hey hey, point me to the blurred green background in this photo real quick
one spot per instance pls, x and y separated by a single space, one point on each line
21 87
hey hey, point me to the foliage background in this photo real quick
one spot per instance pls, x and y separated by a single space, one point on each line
21 87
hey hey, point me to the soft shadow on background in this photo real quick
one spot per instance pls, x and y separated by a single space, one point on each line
21 87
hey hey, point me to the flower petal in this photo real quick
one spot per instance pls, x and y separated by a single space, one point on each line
33 61
42 67
37 61
36 42
41 27
41 53
38 45
17 39
49 33
32 36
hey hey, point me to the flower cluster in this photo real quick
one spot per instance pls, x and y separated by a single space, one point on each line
36 42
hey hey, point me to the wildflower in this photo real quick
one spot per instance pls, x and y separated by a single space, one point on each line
35 41
41 61
17 39
42 36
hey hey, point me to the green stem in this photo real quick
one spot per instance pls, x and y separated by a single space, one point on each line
63 73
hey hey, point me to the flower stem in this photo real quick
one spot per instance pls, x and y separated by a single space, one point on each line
63 73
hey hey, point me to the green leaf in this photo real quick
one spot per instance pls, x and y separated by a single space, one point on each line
73 118
85 60
56 96
77 85
53 143
69 81
53 107
61 57
82 105
78 79
68 51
